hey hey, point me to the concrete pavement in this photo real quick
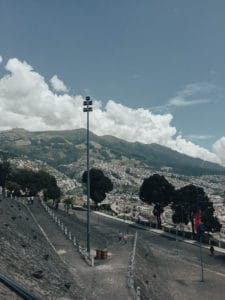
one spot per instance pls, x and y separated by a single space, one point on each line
162 232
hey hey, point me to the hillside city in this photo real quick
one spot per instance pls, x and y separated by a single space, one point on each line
127 176
115 224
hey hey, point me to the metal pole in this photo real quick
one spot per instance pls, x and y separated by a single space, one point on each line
88 187
201 257
176 240
87 108
182 216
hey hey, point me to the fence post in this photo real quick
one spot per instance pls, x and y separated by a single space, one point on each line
65 230
138 294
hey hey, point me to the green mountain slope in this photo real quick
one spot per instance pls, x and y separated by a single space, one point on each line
62 148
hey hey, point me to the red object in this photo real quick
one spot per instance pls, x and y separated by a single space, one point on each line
198 220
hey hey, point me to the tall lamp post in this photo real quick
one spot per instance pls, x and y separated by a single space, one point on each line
87 103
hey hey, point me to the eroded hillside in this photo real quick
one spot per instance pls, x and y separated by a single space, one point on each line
27 257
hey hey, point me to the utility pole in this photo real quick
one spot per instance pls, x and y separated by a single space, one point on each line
201 260
87 108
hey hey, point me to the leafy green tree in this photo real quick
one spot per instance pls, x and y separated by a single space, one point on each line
14 188
158 191
187 201
5 170
23 179
180 211
99 185
53 191
26 179
35 182
211 222
68 204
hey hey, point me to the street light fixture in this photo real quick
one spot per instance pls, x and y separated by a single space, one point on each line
87 103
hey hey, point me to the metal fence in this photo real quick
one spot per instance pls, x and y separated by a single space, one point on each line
69 235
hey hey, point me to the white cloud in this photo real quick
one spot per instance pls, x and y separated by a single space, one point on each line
186 147
199 136
27 101
1 59
192 94
132 124
58 85
179 101
25 95
219 149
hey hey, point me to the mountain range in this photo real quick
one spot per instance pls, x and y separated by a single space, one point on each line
64 149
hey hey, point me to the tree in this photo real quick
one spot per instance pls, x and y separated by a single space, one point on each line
158 191
180 211
99 185
68 202
53 191
187 201
211 222
13 187
34 182
5 170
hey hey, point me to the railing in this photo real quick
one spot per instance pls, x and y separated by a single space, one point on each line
75 241
20 291
130 275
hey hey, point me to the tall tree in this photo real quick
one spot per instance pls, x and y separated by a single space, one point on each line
14 188
99 185
53 191
158 191
68 202
187 201
211 222
35 182
5 170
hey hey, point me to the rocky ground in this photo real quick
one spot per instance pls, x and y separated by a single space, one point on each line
7 294
27 258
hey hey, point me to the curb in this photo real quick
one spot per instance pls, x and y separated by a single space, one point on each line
161 232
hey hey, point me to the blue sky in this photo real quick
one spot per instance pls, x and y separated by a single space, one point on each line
167 57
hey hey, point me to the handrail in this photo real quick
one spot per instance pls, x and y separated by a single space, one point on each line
20 291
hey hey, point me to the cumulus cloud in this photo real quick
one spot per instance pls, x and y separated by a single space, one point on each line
1 59
27 101
186 147
133 124
219 149
58 85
